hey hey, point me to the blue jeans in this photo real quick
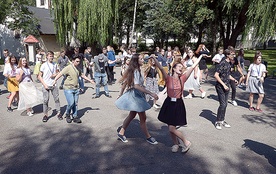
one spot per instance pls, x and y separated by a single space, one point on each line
72 97
101 78
81 83
5 82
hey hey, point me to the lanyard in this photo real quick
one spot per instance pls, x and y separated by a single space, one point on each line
173 86
75 70
258 70
25 72
52 71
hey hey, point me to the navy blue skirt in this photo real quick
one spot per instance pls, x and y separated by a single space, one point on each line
133 100
173 113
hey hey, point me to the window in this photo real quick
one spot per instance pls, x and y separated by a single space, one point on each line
42 2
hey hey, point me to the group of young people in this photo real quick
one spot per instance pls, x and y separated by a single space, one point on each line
173 111
18 76
177 74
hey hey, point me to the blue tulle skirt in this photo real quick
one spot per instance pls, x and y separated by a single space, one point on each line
133 100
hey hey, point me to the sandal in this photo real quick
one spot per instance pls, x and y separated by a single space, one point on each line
251 108
259 110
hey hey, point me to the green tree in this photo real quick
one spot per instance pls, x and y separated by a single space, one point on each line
65 14
16 16
164 20
94 19
258 17
4 9
125 19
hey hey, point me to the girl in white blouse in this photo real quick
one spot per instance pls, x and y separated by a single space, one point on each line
255 80
12 83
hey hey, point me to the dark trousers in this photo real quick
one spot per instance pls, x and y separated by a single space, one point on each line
233 87
110 74
223 99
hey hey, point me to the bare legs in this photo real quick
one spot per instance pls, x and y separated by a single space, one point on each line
176 133
242 80
203 75
251 95
130 117
259 101
14 95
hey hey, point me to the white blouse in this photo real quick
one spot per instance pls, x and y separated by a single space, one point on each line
257 70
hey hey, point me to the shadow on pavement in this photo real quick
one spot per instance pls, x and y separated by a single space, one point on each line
265 119
76 150
209 115
261 149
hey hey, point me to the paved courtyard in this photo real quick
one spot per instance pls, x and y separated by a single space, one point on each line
30 146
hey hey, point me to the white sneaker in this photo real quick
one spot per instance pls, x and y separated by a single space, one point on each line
30 113
175 148
186 148
188 96
225 124
218 125
203 94
234 103
156 106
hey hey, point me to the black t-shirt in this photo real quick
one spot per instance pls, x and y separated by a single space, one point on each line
224 71
152 73
88 56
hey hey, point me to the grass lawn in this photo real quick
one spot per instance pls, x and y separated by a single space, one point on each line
268 55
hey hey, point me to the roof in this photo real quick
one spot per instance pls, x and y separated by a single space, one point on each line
31 39
45 20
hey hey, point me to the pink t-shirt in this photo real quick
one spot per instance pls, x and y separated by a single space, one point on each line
174 88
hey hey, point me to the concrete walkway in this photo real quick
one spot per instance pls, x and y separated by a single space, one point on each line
30 146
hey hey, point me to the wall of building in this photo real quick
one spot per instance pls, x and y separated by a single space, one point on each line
49 42
43 4
8 41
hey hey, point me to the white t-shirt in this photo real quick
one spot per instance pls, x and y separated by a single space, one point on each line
48 69
8 70
125 53
256 70
217 58
6 60
26 77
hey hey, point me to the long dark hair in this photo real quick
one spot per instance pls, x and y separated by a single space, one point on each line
241 52
13 63
128 77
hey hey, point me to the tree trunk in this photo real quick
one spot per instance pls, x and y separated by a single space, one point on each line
222 36
133 25
109 40
240 25
200 28
214 35
127 35
264 46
